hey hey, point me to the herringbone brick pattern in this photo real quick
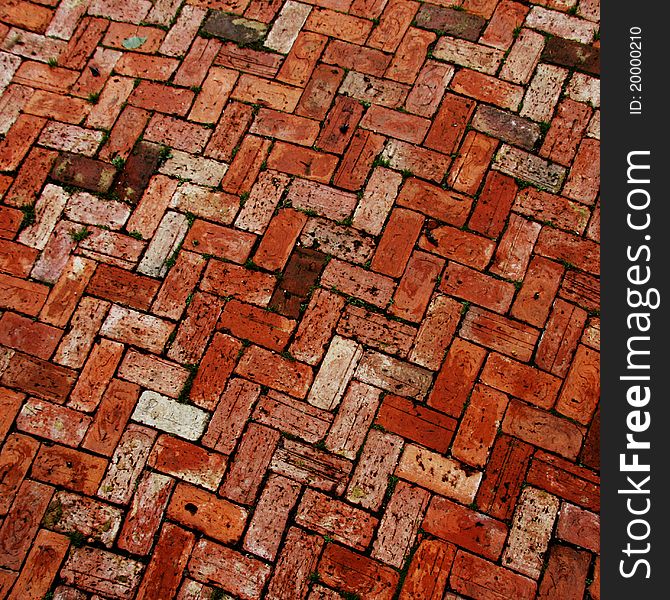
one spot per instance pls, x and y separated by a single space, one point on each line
299 299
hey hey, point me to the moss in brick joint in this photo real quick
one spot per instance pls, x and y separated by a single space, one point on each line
28 211
185 393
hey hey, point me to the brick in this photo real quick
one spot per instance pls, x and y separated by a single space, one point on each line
358 160
523 57
370 478
30 177
113 412
429 571
572 54
348 571
53 422
499 32
22 522
263 199
444 205
286 28
456 377
283 231
295 565
340 124
442 475
562 246
583 88
266 528
213 563
583 182
463 247
344 27
374 330
316 327
302 162
41 566
374 90
35 376
394 22
343 523
355 415
542 95
120 286
579 527
180 36
289 128
295 417
410 55
581 391
70 138
521 381
465 528
69 513
415 422
428 90
561 24
396 244
320 90
272 95
48 104
28 336
479 426
560 339
170 233
10 402
487 89
163 573
246 165
308 466
126 464
504 477
469 55
155 96
436 332
205 512
84 326
543 429
506 126
463 24
358 282
581 289
145 513
302 59
237 29
48 210
18 140
395 124
225 279
472 286
18 453
536 296
480 578
129 326
246 472
419 161
377 200
566 574
24 296
531 529
71 469
545 207
129 126
97 570
513 253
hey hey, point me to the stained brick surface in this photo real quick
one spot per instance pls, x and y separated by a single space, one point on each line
299 300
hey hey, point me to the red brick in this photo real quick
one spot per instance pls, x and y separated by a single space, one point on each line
24 296
504 477
583 182
319 91
499 333
358 282
567 128
479 426
340 124
83 43
253 456
337 25
461 246
20 137
500 32
303 162
449 124
266 528
484 580
260 91
16 259
178 285
443 205
560 338
513 253
74 470
465 528
295 565
120 286
579 527
246 165
410 55
169 559
41 566
416 286
111 416
543 429
428 572
565 576
280 237
10 403
22 522
414 422
358 58
456 378
53 422
396 244
235 573
562 246
248 60
534 300
31 177
35 376
581 391
17 455
487 89
436 332
481 289
225 279
207 513
358 160
277 372
84 326
348 571
290 128
395 124
562 478
28 336
96 374
155 96
302 58
582 289
399 525
26 15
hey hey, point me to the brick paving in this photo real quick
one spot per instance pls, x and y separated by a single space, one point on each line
299 299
